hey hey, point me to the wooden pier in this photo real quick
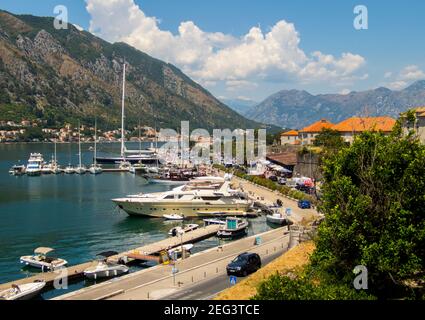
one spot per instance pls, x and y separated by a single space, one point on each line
77 271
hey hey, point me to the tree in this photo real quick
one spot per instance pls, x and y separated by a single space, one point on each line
373 198
329 139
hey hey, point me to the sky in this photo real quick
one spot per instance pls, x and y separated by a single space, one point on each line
250 49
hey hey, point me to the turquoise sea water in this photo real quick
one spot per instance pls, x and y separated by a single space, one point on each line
71 213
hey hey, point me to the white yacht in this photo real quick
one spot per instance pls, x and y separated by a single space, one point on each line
201 197
24 291
35 164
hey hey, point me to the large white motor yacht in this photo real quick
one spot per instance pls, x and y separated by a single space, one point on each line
35 164
203 196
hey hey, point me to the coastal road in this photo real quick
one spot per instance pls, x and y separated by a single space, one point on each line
208 289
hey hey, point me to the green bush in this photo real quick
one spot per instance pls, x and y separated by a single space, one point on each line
280 287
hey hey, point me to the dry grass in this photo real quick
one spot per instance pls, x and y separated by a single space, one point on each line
293 259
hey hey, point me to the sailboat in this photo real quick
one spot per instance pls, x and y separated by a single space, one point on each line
55 168
135 156
95 168
80 169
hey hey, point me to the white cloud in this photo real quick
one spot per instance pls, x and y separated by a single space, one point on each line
412 73
210 57
407 75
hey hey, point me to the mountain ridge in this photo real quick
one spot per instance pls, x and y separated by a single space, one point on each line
299 108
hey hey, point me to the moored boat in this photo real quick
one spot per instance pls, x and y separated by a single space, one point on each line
105 268
41 261
234 227
17 170
35 163
277 217
181 230
173 217
24 291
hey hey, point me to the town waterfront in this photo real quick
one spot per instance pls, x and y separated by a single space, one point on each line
72 213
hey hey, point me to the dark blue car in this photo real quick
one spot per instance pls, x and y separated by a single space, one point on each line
304 204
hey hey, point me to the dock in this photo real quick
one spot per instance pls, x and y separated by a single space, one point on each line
77 271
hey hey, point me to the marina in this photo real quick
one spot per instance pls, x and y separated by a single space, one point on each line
74 215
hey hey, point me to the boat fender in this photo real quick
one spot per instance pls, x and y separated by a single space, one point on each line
107 273
95 276
115 272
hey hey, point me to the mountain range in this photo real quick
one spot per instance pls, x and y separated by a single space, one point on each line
68 74
297 109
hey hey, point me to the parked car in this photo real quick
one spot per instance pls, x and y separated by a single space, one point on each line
304 204
273 178
282 181
244 264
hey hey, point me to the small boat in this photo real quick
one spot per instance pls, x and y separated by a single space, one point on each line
42 261
179 230
69 169
233 228
17 170
214 221
177 252
105 268
46 169
173 217
95 169
124 165
80 170
277 217
24 291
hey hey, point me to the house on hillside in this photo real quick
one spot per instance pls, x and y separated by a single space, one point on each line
308 134
351 127
290 137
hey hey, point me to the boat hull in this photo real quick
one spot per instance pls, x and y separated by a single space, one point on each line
104 274
277 221
188 209
132 160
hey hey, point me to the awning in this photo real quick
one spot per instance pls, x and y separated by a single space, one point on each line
43 250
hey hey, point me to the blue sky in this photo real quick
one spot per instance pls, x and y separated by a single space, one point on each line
214 50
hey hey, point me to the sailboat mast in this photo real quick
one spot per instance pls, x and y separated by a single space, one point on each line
95 141
79 143
122 115
56 160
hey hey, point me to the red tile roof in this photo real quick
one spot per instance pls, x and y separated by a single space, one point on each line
292 133
318 126
357 124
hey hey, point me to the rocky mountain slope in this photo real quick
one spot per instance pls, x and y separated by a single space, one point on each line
297 109
64 75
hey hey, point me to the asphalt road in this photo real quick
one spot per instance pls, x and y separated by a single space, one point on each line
208 289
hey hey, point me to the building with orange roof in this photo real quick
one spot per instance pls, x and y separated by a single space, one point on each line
418 125
308 134
351 127
290 137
